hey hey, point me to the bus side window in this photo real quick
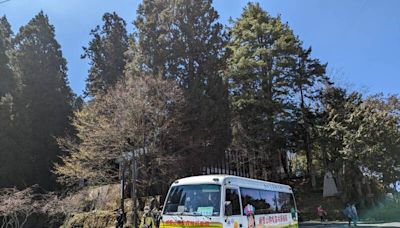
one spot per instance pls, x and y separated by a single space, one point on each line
232 195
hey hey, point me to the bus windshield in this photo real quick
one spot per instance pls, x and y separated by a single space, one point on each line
196 200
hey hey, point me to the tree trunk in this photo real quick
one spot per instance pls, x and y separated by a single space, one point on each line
370 195
252 161
310 167
360 193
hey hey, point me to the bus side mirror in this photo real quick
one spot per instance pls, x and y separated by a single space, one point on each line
228 208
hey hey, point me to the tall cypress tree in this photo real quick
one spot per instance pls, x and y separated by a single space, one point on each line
182 40
7 91
44 104
153 23
106 53
262 59
7 81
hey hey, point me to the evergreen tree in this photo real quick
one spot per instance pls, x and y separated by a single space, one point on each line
371 142
7 117
7 81
309 79
8 145
358 140
152 51
336 107
43 106
262 60
182 40
106 53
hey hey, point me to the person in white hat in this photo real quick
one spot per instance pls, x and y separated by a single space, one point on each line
147 220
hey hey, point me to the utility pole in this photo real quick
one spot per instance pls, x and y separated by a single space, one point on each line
133 155
134 196
122 170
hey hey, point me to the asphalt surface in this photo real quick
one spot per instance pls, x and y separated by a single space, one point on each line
343 224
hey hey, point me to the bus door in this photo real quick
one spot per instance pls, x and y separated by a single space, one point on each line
232 209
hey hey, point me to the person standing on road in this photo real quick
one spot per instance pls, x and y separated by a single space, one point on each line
348 213
147 219
321 213
354 214
120 218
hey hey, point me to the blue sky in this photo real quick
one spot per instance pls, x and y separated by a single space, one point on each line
360 39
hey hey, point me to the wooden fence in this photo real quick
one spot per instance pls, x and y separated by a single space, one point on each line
232 163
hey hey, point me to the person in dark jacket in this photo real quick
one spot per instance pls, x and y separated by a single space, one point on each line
349 214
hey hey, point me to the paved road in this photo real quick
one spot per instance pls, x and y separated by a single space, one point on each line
341 224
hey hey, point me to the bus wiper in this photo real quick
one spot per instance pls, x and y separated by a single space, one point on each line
185 213
170 213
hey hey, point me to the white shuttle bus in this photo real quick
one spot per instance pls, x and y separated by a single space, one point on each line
228 201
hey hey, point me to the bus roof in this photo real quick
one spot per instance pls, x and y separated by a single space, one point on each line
235 181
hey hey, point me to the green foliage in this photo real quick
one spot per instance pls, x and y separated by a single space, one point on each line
7 88
181 40
386 211
308 81
7 81
359 138
372 138
262 57
40 106
106 53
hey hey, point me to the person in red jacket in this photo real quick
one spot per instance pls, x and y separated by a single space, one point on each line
321 213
